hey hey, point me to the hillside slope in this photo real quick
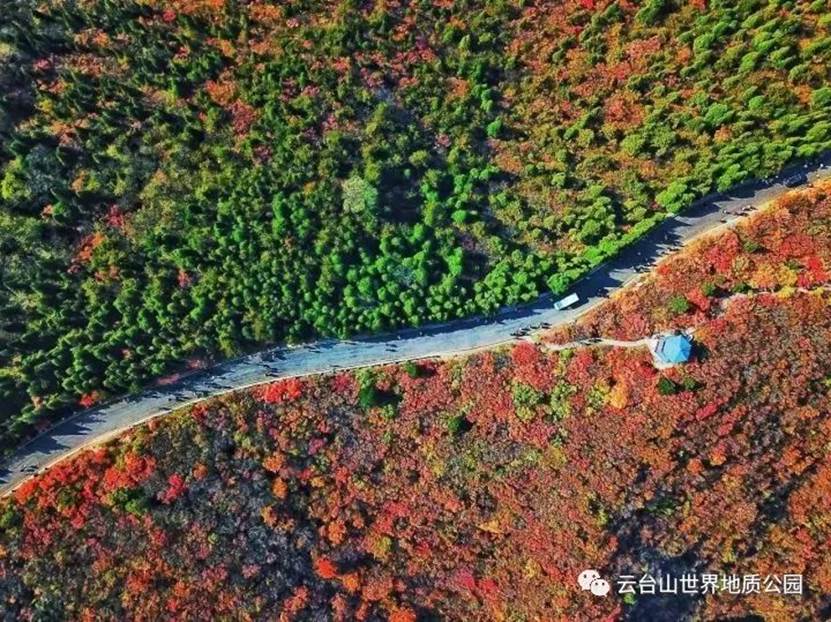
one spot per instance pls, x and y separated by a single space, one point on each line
184 179
478 488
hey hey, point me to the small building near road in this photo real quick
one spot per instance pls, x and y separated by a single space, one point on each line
673 349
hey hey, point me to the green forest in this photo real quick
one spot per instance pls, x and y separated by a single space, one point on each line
187 179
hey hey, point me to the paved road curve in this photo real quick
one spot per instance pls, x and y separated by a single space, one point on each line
101 423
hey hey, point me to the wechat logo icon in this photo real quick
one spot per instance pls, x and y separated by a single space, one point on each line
589 580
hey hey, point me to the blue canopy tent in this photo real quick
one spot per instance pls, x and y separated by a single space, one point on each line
674 349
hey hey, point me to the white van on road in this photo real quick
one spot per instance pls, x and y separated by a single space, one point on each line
566 302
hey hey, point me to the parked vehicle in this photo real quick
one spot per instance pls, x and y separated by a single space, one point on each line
795 180
566 302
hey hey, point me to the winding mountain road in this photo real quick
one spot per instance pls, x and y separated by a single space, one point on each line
102 423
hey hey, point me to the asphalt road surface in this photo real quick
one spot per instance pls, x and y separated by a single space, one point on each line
104 422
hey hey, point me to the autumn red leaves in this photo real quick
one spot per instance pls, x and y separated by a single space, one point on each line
475 488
